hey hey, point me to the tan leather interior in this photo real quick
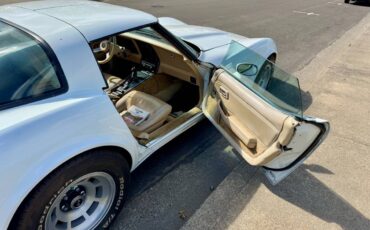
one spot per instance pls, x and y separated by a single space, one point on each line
151 95
161 86
111 79
172 62
159 111
171 124
257 129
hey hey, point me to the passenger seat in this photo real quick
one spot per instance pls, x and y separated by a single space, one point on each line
158 110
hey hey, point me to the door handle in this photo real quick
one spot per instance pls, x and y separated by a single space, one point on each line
224 93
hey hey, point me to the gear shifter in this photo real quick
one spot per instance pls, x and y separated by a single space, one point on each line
131 78
131 81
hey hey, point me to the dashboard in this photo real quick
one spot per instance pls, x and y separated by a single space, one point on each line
140 53
137 58
157 57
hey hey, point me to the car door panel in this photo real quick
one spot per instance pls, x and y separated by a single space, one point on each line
309 135
242 102
257 129
263 135
265 125
306 134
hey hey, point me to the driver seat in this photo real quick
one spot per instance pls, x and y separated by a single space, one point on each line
158 112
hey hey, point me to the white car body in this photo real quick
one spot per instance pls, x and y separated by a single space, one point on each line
38 137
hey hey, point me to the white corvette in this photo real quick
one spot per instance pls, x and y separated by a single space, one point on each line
89 90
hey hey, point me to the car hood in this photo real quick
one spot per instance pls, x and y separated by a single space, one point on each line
214 43
205 38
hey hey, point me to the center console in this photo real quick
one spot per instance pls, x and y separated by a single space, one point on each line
129 83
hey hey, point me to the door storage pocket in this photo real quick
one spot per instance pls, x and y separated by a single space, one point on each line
237 128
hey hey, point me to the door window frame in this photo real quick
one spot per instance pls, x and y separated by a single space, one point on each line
53 61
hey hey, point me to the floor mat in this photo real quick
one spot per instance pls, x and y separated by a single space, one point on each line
185 99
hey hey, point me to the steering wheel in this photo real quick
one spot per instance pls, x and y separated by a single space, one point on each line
107 47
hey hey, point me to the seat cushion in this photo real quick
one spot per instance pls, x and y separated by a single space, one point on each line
158 110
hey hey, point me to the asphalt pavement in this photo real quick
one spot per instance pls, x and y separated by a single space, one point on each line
300 28
174 184
331 189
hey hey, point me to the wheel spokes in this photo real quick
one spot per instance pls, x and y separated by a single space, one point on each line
82 204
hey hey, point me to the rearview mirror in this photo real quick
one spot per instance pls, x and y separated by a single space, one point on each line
247 69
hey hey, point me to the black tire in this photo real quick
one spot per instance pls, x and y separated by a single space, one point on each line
346 1
32 214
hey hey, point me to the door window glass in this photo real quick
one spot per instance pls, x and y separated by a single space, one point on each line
264 78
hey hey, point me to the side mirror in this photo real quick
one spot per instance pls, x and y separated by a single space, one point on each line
247 69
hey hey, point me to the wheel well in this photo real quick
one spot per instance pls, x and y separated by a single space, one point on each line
272 57
123 152
116 149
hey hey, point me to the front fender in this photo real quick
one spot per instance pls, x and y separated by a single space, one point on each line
52 132
262 46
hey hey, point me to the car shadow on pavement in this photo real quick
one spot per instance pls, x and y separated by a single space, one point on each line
173 183
305 191
286 91
306 100
199 169
361 3
182 150
302 189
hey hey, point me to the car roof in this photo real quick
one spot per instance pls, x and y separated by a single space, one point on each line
93 19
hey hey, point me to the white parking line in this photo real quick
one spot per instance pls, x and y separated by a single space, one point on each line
306 13
336 3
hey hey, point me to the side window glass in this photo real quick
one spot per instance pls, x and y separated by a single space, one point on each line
264 78
25 68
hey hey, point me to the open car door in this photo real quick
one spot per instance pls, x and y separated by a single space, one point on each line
258 108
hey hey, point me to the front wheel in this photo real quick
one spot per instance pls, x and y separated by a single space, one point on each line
85 193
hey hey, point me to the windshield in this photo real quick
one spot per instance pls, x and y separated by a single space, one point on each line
150 33
264 78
